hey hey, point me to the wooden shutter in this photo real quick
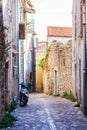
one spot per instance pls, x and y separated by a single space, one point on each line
21 31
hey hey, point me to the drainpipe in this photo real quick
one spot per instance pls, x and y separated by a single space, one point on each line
33 56
33 65
17 45
22 47
84 63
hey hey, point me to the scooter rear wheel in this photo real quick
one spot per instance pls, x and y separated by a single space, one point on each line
24 101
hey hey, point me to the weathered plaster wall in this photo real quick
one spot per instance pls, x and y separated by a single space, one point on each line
40 53
39 72
9 19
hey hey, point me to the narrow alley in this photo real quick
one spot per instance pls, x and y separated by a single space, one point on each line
43 47
45 112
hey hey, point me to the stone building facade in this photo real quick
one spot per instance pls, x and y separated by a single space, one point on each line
2 65
12 13
79 52
57 77
9 89
9 21
26 44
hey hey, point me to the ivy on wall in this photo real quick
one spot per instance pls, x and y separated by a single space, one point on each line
42 62
4 46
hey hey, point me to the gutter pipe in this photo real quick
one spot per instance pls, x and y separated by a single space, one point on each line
17 44
84 63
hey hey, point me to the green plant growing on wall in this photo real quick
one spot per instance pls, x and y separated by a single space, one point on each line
11 107
47 51
8 119
4 47
69 97
42 62
2 58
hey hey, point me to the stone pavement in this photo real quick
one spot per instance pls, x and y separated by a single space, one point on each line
48 113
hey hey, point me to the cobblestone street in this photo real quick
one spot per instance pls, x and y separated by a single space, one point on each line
49 113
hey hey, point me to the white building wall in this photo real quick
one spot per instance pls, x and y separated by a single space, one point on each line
78 53
58 39
27 58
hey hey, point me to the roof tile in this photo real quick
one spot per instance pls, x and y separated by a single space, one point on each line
59 31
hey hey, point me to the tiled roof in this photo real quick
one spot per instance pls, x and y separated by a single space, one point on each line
59 31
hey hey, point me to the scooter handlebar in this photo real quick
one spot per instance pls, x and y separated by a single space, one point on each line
23 85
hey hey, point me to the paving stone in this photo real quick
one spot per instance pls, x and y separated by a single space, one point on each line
48 113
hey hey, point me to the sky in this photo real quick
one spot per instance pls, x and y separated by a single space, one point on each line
51 13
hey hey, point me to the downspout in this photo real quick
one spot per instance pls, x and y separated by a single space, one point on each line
33 65
84 63
22 47
17 45
33 57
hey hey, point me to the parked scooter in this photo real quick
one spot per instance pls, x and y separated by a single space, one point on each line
23 95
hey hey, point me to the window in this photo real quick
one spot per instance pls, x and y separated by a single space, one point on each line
83 1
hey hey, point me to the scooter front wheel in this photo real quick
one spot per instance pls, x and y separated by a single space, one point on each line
24 101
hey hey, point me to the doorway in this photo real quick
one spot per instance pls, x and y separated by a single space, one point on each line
55 81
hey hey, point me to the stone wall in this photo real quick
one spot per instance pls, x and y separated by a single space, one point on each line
2 65
48 76
9 20
57 77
